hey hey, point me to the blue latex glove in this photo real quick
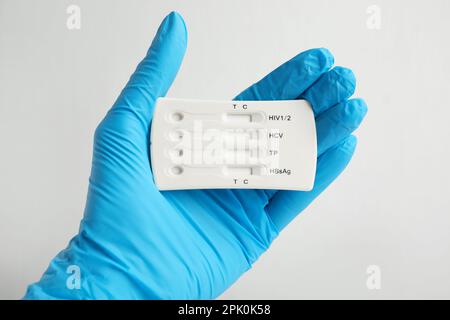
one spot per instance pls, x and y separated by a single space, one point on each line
136 242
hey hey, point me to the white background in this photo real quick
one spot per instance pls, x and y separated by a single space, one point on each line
390 208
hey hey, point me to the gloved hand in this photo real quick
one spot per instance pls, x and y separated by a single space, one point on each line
136 242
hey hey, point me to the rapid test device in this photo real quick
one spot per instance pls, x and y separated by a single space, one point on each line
200 144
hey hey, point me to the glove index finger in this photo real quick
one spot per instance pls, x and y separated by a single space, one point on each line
292 78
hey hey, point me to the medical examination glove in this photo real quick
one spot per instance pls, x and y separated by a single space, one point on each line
136 242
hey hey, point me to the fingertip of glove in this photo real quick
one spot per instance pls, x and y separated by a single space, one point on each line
322 58
174 23
326 56
345 73
360 105
346 78
174 17
355 111
180 20
314 62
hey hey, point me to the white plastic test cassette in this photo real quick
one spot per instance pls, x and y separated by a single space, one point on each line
199 144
